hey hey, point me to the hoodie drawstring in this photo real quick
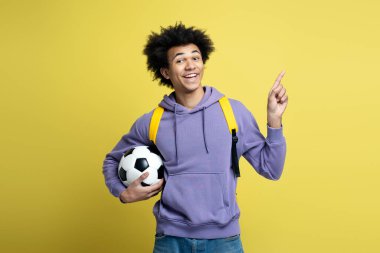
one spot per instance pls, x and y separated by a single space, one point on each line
176 132
204 129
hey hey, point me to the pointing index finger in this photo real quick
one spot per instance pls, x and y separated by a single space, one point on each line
277 82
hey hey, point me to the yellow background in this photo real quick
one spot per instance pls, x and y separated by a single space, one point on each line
73 80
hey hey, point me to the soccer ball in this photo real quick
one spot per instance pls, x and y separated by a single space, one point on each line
138 160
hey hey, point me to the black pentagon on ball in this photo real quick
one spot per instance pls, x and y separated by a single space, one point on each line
153 148
122 174
141 164
160 172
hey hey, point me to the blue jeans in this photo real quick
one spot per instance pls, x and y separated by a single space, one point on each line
173 244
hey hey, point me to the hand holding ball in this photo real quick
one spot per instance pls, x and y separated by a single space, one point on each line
139 160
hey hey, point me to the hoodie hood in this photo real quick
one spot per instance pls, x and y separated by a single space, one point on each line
210 97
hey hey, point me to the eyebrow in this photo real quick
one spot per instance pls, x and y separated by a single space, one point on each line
177 54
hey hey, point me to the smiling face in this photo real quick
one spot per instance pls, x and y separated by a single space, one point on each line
185 69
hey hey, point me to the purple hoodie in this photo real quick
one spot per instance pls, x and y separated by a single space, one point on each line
199 199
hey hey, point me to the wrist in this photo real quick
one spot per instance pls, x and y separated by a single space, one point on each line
274 122
124 197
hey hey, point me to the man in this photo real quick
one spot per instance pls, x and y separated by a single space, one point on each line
197 209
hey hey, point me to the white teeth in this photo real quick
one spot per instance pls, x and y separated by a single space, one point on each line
191 75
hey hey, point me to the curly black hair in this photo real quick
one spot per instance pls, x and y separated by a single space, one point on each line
178 35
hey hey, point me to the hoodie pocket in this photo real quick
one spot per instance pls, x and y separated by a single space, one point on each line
195 199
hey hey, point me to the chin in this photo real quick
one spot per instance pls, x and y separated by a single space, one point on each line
192 86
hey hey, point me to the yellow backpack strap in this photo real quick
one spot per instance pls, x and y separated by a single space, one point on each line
233 127
228 113
154 123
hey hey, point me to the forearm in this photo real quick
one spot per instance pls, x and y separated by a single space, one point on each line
268 156
112 181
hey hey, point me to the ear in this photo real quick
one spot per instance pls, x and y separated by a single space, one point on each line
164 72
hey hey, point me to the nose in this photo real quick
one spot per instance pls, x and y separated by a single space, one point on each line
189 65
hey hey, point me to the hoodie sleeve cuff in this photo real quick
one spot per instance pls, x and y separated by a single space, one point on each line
275 135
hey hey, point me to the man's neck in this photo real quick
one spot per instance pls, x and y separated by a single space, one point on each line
190 100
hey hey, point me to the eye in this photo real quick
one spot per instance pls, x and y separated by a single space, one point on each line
179 61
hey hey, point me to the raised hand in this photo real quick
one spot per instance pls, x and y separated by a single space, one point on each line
277 102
